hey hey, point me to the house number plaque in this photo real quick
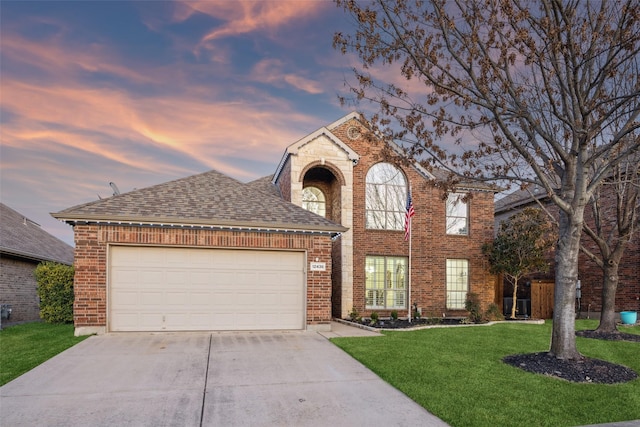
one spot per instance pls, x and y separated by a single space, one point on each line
318 266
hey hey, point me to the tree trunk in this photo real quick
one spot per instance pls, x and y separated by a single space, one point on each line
609 287
515 296
563 337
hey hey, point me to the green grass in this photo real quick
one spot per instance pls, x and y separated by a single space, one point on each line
458 375
23 347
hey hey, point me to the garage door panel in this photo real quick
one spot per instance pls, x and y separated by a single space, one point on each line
125 298
151 299
155 289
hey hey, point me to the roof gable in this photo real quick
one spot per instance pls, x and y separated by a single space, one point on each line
23 238
209 199
296 146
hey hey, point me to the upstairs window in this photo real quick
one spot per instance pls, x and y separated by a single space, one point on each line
314 201
457 214
386 195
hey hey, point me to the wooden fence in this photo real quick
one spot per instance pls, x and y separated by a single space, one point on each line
542 299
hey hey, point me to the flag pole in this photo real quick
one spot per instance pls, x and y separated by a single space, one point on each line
407 236
409 285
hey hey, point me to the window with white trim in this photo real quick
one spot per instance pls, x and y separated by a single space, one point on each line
457 214
457 283
313 200
386 282
386 195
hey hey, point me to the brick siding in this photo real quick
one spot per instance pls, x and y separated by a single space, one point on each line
431 246
18 287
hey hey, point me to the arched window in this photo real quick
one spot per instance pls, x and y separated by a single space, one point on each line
386 197
314 201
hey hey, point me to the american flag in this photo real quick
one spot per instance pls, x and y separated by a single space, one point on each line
407 218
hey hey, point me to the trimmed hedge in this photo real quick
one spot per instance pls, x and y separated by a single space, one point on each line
55 289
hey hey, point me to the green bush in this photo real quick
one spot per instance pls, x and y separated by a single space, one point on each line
472 305
374 318
55 289
493 313
354 315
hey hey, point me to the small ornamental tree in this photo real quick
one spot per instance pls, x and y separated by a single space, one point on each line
55 289
520 247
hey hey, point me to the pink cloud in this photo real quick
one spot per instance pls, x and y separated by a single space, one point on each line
243 17
272 71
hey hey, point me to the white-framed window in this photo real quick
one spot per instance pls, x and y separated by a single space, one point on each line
386 196
313 200
457 283
386 282
457 214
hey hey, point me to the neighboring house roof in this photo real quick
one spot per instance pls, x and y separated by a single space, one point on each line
519 198
210 199
21 237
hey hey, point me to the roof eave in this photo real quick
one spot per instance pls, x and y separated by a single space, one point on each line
30 256
200 223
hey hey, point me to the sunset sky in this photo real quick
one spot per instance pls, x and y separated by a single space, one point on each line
143 92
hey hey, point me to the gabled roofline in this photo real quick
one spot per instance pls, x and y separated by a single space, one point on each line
323 131
353 115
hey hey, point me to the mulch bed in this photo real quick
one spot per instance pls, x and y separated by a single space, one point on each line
586 370
615 336
404 323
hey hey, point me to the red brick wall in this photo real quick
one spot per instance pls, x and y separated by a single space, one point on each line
431 246
18 287
284 181
90 283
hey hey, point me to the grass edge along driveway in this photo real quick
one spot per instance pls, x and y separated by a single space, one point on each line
458 375
25 346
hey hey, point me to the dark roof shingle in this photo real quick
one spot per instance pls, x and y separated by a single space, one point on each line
22 237
209 198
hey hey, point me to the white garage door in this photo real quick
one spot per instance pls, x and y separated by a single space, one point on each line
180 289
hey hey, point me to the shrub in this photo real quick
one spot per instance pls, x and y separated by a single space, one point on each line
374 317
472 305
394 315
493 313
353 314
55 289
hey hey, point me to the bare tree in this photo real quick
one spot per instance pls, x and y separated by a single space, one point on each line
615 212
532 92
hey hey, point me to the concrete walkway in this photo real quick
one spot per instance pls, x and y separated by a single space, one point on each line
208 379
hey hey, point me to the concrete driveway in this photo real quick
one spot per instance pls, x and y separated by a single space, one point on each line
206 379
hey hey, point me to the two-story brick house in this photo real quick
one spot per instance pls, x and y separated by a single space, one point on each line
323 235
360 186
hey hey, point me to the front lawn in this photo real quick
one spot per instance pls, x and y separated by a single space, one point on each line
23 347
458 375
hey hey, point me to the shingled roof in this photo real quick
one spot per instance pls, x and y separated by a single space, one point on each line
210 199
520 198
23 238
265 185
